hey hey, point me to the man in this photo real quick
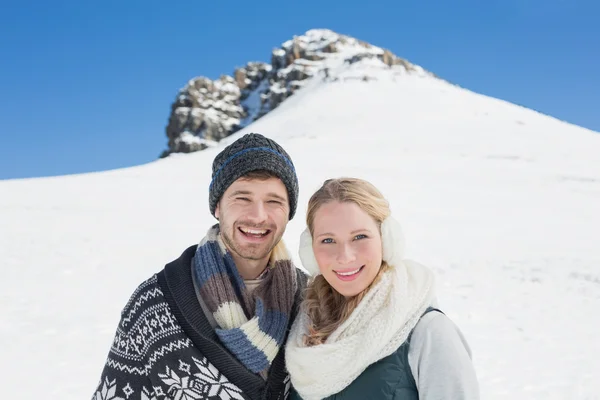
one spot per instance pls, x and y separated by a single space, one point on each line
213 323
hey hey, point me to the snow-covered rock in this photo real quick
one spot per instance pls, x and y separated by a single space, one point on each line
207 111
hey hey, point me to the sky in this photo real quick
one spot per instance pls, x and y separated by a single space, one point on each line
88 86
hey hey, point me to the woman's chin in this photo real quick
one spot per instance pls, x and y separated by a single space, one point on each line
348 290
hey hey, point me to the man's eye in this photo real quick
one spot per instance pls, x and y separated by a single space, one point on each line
275 202
242 198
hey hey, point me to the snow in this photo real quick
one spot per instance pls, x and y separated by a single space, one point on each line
374 62
228 87
279 52
212 114
196 112
225 106
315 40
308 69
277 88
215 115
190 138
502 202
253 102
301 63
184 111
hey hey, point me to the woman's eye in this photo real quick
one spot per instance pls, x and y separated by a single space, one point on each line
361 236
328 240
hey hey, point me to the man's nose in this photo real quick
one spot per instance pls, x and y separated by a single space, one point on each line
257 212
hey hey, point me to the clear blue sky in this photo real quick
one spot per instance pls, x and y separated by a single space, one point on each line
87 86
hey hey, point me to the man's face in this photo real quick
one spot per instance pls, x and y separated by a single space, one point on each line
253 214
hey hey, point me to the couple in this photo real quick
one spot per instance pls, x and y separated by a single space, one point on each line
233 318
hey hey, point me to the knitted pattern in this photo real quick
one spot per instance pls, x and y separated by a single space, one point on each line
249 153
152 358
252 327
164 348
387 313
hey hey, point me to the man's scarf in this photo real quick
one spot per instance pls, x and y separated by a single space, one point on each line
252 326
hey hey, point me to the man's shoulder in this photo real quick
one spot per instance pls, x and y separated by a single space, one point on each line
184 259
149 293
301 282
302 278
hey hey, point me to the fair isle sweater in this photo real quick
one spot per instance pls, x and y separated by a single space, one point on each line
165 348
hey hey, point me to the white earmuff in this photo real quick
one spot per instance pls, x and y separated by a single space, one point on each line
392 239
307 255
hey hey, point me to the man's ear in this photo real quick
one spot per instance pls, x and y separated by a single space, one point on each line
217 211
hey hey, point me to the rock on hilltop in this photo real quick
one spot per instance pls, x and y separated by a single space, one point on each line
206 111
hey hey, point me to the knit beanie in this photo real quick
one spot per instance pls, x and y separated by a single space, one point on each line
249 153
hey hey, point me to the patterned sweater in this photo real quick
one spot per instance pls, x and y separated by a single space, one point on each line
165 348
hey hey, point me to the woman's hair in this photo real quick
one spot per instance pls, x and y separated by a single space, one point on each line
326 308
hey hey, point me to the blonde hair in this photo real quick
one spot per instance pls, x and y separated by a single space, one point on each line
326 308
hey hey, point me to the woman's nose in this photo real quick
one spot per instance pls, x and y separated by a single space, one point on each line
346 254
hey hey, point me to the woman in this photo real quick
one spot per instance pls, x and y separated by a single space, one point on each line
368 328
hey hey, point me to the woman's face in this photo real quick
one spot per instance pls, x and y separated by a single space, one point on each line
347 246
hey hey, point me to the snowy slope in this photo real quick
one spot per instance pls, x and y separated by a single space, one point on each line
502 202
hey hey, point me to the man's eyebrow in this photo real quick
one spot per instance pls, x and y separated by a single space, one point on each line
240 192
275 195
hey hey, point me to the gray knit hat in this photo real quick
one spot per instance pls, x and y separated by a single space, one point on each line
249 153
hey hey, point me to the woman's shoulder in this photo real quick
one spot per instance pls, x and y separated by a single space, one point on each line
440 358
436 329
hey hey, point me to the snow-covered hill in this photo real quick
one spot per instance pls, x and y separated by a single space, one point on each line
502 202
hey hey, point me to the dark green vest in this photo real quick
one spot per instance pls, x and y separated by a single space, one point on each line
389 378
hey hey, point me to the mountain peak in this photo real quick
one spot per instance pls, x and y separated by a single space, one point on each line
328 41
205 111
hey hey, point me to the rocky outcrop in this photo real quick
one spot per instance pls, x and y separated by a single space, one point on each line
206 111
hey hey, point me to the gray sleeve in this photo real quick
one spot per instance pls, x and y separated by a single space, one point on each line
440 360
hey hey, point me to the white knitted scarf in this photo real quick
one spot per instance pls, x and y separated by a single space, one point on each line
375 329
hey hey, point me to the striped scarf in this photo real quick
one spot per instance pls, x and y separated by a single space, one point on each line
252 326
